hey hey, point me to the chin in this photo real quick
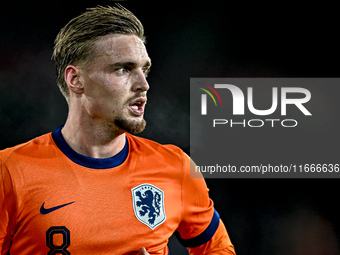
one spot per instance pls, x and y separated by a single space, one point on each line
131 126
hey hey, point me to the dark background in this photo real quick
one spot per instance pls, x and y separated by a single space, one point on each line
190 39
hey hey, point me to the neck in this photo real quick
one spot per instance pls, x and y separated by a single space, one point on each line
93 139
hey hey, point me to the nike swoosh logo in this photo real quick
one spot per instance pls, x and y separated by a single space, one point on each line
44 211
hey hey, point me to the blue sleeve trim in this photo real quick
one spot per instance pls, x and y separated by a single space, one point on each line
205 236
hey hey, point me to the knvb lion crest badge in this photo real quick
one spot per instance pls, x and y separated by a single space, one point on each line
148 205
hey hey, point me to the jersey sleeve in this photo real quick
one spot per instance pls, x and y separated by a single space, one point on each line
201 229
7 208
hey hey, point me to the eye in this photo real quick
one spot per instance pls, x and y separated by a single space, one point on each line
122 70
146 70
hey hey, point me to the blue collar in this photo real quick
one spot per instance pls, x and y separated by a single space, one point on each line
87 161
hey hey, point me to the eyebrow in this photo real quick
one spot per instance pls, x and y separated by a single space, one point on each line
130 63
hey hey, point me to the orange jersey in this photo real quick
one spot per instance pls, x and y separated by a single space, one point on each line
56 201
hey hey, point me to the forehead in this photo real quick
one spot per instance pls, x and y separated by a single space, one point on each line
121 47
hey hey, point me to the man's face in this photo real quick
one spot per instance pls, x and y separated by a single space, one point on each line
115 83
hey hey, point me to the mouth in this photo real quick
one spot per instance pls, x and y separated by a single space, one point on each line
137 106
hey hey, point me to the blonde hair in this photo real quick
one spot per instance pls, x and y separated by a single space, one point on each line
74 42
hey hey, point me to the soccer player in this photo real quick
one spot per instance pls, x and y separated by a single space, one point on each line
91 186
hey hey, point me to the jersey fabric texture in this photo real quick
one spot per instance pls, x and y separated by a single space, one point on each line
56 201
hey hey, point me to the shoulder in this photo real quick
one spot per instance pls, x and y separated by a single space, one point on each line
31 148
143 145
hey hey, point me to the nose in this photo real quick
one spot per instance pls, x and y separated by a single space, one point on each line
139 81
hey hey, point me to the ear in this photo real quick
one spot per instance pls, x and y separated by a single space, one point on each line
72 78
